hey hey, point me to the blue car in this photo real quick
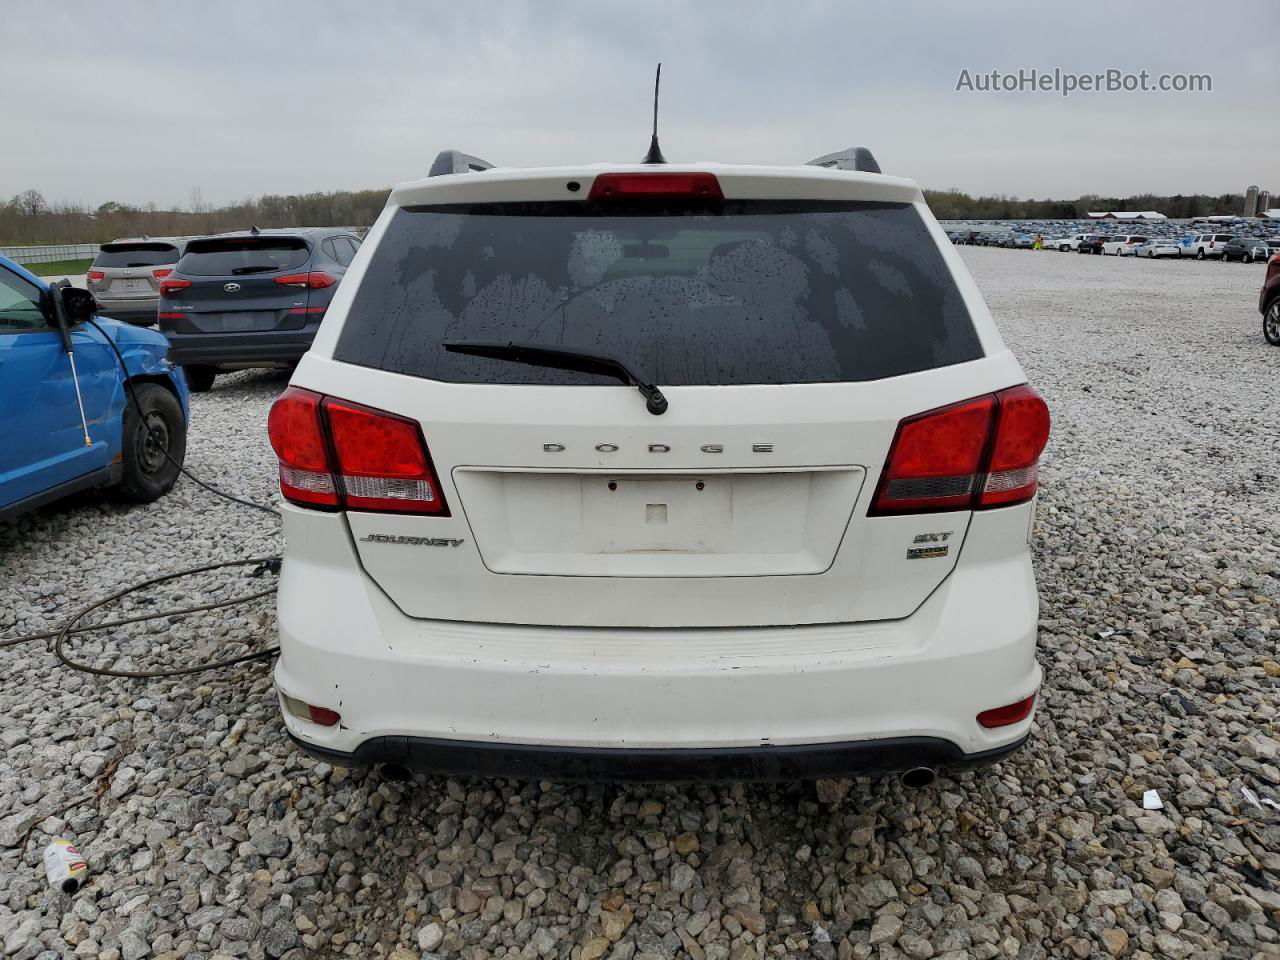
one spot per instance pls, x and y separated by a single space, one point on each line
71 421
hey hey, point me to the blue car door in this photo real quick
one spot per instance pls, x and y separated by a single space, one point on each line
42 444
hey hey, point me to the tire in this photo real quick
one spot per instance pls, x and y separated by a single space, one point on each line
1200 254
1247 258
1271 323
148 435
199 378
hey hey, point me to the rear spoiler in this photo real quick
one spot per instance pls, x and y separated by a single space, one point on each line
455 161
854 158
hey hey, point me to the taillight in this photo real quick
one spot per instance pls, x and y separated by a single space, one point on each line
161 273
93 276
173 285
315 280
344 455
1022 430
297 437
703 186
382 460
983 452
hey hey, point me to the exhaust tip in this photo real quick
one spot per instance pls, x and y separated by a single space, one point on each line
394 772
918 777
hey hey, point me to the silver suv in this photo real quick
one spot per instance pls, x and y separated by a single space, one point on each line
125 276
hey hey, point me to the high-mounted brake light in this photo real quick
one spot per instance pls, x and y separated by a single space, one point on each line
315 280
656 186
337 454
173 284
983 452
93 276
162 272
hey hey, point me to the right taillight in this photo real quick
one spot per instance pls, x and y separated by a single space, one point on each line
1022 430
343 455
983 452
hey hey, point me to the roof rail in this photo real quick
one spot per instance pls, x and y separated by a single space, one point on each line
455 161
855 158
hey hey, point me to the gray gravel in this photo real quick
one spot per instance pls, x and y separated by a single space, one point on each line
210 836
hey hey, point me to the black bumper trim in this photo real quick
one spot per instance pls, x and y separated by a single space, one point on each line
212 349
649 765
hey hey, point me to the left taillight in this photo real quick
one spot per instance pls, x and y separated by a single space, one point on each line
173 284
342 455
297 436
93 276
978 453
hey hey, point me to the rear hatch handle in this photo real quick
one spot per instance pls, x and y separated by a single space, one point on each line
563 358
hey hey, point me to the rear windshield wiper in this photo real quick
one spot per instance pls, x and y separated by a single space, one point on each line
562 358
263 268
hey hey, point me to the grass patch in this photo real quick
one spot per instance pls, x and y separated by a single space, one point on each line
59 268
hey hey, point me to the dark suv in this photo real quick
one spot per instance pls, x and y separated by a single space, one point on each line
1091 243
1269 302
251 299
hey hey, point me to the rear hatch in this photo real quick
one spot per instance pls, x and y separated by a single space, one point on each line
790 337
241 284
131 270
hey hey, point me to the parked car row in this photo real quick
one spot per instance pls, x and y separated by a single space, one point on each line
252 298
1204 246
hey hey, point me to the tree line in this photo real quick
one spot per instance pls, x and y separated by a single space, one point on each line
29 218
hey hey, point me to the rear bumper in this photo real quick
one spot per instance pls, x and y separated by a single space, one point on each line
736 703
649 765
240 349
138 312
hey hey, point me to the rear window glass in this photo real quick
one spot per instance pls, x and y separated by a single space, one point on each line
135 254
746 292
238 256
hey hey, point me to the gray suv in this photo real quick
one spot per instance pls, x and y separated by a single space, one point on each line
126 274
253 298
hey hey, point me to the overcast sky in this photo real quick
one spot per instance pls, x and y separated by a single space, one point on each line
139 102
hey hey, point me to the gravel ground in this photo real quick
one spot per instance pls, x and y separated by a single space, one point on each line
210 836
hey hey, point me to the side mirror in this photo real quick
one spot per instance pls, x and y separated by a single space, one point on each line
77 304
71 306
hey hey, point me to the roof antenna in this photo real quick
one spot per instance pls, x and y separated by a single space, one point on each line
655 153
254 230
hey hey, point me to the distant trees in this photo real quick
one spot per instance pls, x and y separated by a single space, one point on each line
29 218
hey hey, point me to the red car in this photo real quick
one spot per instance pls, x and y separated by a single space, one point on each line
1269 302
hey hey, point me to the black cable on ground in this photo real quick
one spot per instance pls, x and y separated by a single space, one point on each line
70 628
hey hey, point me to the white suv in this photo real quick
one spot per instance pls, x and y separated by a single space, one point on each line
662 472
